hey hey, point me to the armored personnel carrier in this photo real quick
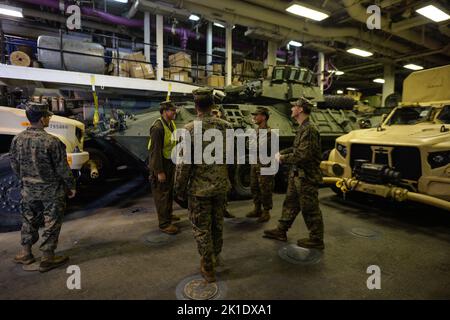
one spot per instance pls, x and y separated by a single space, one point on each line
236 104
407 157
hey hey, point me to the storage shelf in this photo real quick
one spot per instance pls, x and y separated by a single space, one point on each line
85 79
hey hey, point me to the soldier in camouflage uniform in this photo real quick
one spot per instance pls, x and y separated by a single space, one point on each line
261 185
215 112
40 162
304 179
206 186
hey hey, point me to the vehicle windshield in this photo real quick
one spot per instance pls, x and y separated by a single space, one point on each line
444 116
411 115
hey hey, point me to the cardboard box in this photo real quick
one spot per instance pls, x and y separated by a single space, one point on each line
199 72
215 81
136 57
179 56
238 69
180 76
180 61
142 71
166 73
217 69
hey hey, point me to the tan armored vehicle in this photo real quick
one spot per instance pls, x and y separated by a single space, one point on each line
407 157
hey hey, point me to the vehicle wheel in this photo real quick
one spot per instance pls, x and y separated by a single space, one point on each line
103 166
10 217
241 182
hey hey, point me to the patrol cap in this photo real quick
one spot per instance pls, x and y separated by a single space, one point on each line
305 103
167 105
261 110
204 91
204 97
35 111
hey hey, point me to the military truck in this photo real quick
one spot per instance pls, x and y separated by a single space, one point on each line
12 122
407 157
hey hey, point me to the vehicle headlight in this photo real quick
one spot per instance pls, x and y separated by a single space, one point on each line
438 159
341 149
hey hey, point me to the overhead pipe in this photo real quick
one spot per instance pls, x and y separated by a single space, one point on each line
371 39
132 23
359 13
290 27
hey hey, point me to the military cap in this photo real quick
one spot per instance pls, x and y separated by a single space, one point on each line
167 105
302 101
36 111
261 110
205 91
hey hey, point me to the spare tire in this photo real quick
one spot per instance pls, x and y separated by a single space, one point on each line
241 182
10 197
337 102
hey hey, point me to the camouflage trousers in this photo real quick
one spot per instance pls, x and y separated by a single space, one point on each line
261 188
163 197
302 195
206 215
36 213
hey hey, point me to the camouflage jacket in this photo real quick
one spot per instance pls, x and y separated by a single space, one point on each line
204 180
305 154
39 160
263 139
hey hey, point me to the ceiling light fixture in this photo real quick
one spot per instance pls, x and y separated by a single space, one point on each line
378 80
433 13
412 66
351 89
339 73
194 17
307 12
340 92
360 52
295 43
11 11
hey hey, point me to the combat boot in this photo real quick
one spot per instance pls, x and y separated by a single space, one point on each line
49 261
256 213
264 217
276 234
170 229
311 243
175 218
25 256
227 214
207 273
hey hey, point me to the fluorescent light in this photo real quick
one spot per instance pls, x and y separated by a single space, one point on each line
413 67
121 1
360 52
219 25
433 13
339 73
340 92
193 17
378 80
351 89
11 11
294 43
301 10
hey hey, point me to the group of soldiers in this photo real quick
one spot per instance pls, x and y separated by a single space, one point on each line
206 186
39 161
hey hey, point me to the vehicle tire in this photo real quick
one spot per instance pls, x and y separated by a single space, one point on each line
241 182
10 217
337 102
